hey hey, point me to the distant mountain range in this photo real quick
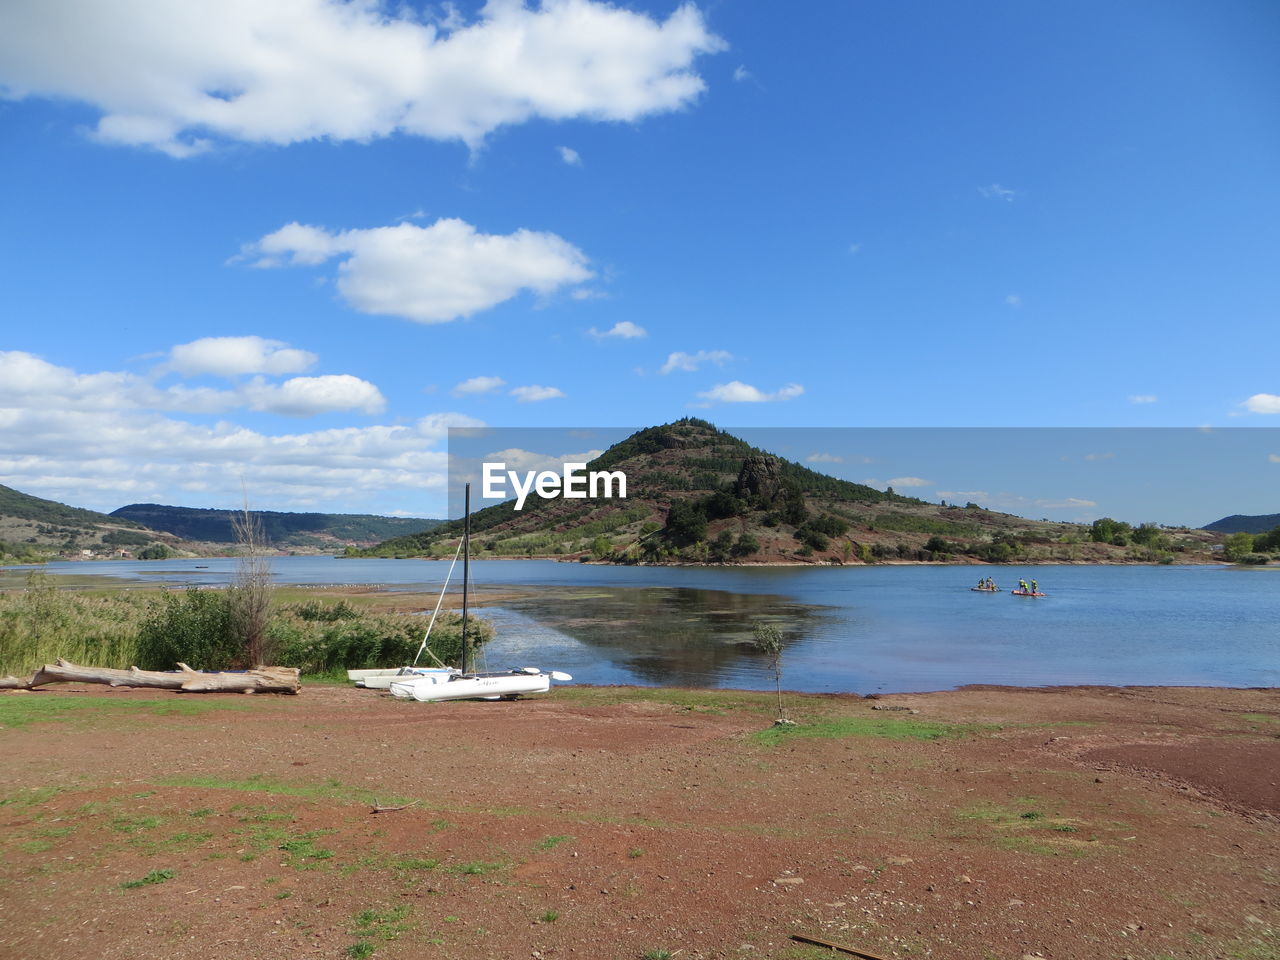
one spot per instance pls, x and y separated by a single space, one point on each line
33 529
1240 523
281 529
699 494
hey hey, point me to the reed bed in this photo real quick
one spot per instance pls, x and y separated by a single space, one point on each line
156 629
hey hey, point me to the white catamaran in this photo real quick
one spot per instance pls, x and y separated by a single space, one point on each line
448 683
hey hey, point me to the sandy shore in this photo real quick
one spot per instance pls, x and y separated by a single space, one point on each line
618 822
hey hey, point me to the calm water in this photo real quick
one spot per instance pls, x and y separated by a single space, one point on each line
858 629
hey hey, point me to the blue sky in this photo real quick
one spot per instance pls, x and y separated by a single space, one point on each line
280 248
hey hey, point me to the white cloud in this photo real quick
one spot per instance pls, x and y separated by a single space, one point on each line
570 156
1099 456
824 458
623 329
1263 403
741 73
997 192
1143 398
1013 300
961 494
103 458
177 76
429 274
477 385
1273 457
855 248
27 381
233 356
307 396
689 362
735 391
1064 504
909 482
535 393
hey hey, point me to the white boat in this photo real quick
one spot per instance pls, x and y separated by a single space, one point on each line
447 683
487 686
382 679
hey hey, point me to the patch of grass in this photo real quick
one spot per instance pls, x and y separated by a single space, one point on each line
550 843
284 895
303 853
659 953
635 853
32 797
134 824
259 783
360 950
202 812
382 925
1259 717
155 876
1027 831
21 711
550 916
887 726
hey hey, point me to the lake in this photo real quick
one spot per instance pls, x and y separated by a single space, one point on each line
847 629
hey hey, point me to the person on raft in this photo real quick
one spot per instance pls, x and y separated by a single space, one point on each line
1035 587
1022 585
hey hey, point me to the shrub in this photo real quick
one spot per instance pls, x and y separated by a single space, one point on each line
193 627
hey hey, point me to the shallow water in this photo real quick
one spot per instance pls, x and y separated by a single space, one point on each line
859 629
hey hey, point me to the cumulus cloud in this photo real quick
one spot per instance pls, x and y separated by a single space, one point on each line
307 396
741 73
102 458
535 393
1143 398
623 330
478 385
179 77
1263 403
233 356
570 156
28 381
909 482
735 391
433 274
824 458
1273 457
689 362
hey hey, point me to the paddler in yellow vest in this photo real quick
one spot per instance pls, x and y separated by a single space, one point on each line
1022 585
1035 587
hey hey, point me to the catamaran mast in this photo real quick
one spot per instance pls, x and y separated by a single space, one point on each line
466 577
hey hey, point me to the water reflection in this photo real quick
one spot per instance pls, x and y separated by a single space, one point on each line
671 635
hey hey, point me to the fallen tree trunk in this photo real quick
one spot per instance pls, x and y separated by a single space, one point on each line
184 680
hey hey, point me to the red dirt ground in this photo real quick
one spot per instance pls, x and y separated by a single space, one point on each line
1065 823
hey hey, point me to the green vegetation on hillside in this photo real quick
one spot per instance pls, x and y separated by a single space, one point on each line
698 494
1241 523
23 506
281 529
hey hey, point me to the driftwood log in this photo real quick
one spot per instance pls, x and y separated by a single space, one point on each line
184 679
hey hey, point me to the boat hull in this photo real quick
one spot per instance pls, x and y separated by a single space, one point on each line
428 689
382 679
